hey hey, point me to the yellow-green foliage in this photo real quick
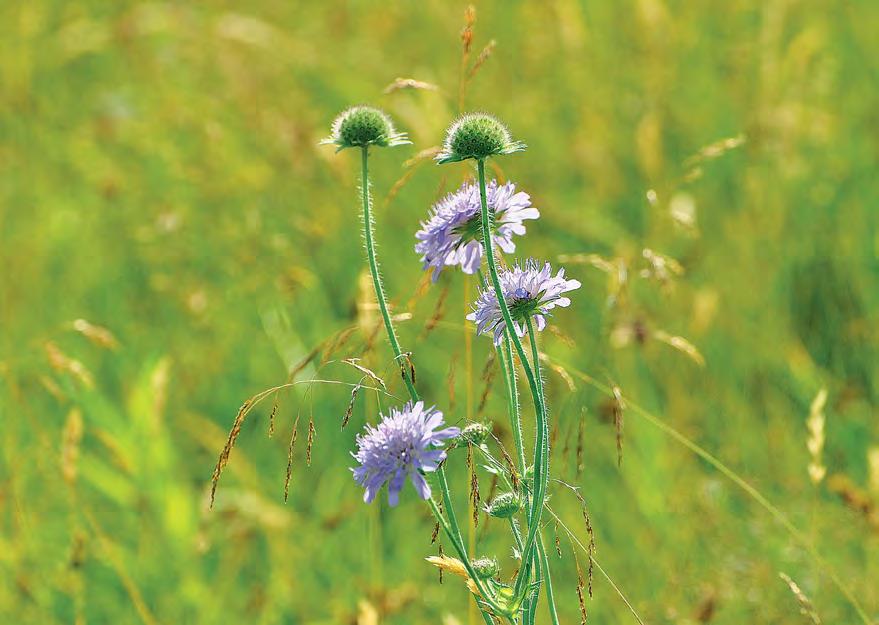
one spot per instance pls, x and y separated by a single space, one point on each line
173 241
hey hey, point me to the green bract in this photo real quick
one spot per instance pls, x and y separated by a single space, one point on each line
477 135
362 126
504 505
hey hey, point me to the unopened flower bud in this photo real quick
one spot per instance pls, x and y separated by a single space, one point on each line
475 434
504 505
485 568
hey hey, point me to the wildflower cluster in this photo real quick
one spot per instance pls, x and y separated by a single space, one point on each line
469 228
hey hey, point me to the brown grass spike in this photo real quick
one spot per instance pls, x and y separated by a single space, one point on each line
482 58
474 486
290 448
350 409
488 375
580 598
438 312
223 460
450 381
558 546
618 407
581 425
310 443
273 413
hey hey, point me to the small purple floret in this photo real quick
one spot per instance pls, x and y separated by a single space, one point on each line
529 291
402 445
452 234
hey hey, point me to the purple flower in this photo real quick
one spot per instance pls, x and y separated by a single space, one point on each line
402 445
529 291
452 235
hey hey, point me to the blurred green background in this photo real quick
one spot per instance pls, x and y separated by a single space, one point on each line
173 241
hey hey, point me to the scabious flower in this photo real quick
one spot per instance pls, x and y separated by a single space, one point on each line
477 135
362 126
404 444
529 291
452 234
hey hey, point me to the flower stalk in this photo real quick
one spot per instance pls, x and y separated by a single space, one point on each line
450 526
369 243
540 446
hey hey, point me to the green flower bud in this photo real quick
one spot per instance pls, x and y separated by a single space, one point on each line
504 505
475 434
362 126
485 568
477 135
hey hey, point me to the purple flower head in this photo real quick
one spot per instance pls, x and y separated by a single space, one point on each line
402 445
529 291
452 235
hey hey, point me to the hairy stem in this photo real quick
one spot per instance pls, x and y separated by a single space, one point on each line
369 243
539 469
509 369
369 240
550 598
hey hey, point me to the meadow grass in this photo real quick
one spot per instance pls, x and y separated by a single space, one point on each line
173 241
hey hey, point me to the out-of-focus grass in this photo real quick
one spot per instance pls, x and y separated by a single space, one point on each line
160 178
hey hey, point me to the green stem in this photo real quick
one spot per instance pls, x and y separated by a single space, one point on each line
530 611
509 369
539 468
535 359
369 241
369 235
541 549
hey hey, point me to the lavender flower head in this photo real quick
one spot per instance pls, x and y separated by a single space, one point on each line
452 235
402 445
529 291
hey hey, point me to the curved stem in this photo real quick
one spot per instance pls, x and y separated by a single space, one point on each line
539 468
369 243
530 611
369 239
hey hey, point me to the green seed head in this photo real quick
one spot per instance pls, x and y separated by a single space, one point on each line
362 126
477 135
485 568
504 505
